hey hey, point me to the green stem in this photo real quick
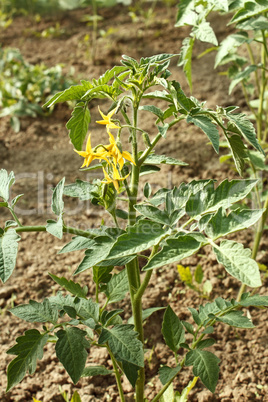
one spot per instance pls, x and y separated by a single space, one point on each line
117 375
66 229
14 216
252 60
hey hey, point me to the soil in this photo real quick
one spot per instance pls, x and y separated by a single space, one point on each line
41 154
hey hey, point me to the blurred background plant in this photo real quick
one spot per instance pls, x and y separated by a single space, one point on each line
195 281
24 87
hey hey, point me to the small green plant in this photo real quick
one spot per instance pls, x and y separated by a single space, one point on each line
195 281
163 228
25 87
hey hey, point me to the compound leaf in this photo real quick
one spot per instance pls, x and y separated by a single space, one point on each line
72 287
36 312
205 365
28 349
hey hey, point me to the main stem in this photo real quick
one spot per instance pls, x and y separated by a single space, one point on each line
133 270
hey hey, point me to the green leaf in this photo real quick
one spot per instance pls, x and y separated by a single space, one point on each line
167 373
112 317
179 98
28 349
73 93
8 253
146 314
57 205
153 109
131 371
102 274
162 95
195 315
78 125
241 76
238 262
205 343
147 190
148 169
117 287
6 181
36 312
76 397
168 395
77 243
70 286
55 227
71 351
81 189
163 129
208 127
90 371
240 124
222 224
205 33
205 365
139 237
97 253
239 152
229 46
236 319
159 159
172 330
186 13
227 193
250 9
174 250
255 300
153 213
123 343
186 58
198 274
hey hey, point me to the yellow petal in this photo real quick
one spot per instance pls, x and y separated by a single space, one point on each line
128 157
88 146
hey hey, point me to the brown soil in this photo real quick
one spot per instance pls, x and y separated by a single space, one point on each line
41 154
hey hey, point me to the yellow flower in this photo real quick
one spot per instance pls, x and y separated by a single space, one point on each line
89 155
117 154
107 119
115 179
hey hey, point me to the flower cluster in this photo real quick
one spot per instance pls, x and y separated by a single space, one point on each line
110 153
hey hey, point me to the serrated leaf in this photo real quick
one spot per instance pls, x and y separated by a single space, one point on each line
123 343
81 189
172 330
174 250
245 128
222 224
153 109
112 317
8 253
229 45
139 237
241 76
131 371
205 33
238 262
153 213
77 243
117 287
73 93
239 152
97 253
186 13
55 227
227 193
236 319
167 373
78 125
205 365
163 159
163 95
179 98
70 286
95 370
186 59
250 9
57 204
71 351
219 305
102 274
29 349
85 308
36 312
208 127
6 181
255 300
205 343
